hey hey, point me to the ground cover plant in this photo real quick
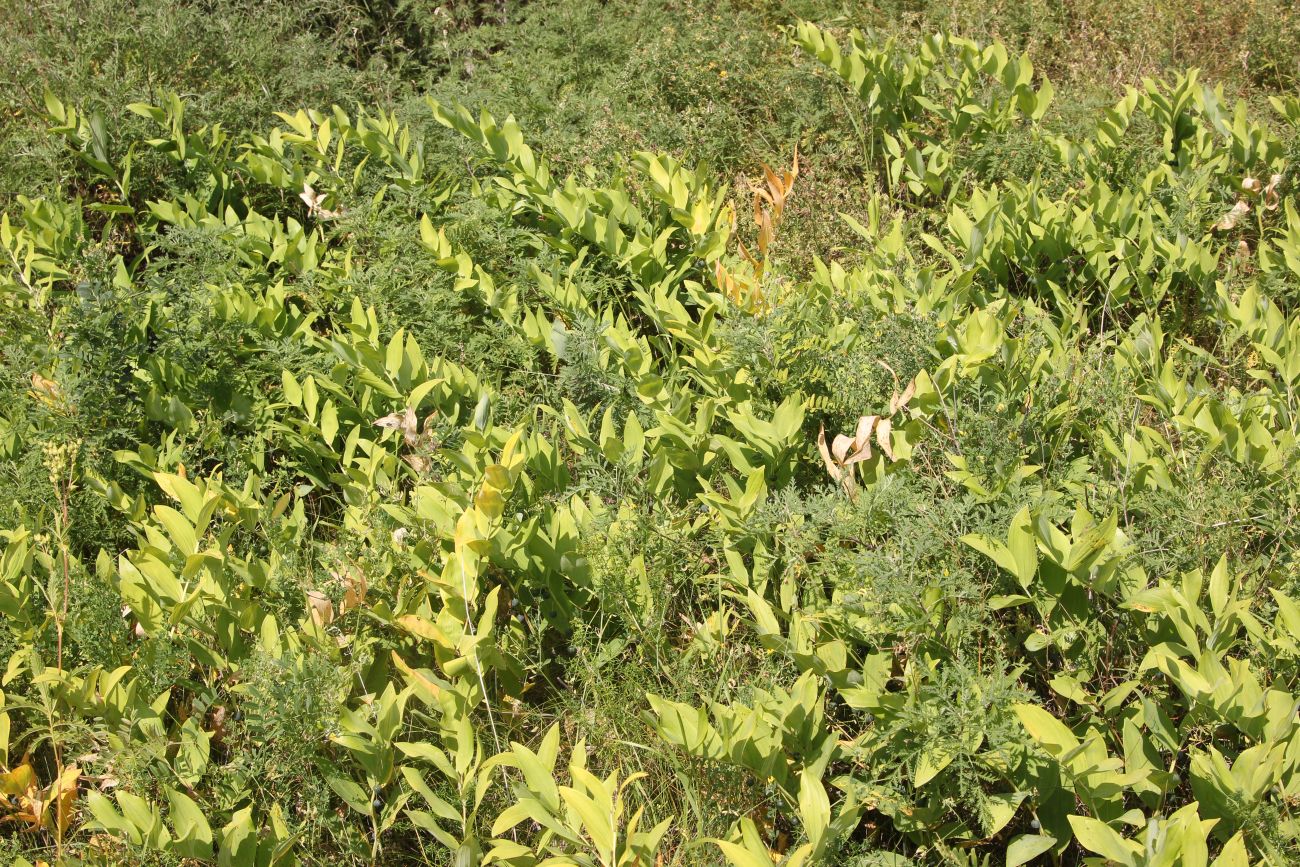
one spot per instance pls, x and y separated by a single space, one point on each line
679 433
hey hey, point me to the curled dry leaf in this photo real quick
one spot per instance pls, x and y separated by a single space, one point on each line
1230 219
410 427
404 421
63 794
862 433
862 440
1270 193
840 448
1256 188
314 202
322 609
216 725
765 234
47 391
883 430
137 630
355 582
845 451
831 467
899 401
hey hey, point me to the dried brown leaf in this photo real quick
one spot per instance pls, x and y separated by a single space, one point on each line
841 448
322 609
765 235
405 421
355 594
900 401
314 201
63 794
1271 194
863 433
883 431
831 467
1230 219
774 184
862 454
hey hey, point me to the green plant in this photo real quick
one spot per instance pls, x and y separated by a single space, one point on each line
366 462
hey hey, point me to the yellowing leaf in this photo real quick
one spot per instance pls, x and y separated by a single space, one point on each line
46 390
1051 733
421 628
739 856
1233 853
63 794
427 688
18 781
596 821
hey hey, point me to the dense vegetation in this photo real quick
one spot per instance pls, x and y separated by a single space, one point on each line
654 433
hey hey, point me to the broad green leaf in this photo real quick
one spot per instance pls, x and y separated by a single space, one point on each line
351 793
739 856
179 530
190 825
596 821
539 778
1100 838
1002 809
1027 847
993 549
1023 548
1047 730
193 753
329 422
814 806
931 762
1233 853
